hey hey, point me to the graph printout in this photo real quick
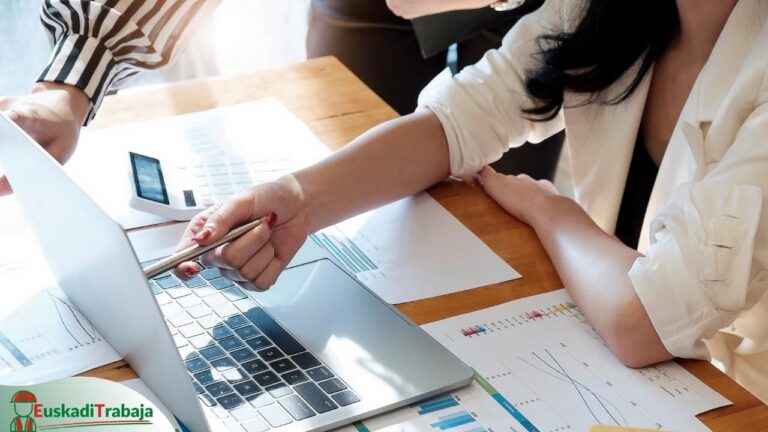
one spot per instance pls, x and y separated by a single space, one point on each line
475 408
46 338
545 359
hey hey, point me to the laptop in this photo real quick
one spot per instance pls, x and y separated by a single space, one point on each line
317 351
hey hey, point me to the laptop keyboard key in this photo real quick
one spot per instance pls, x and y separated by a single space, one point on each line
264 322
255 425
296 407
275 415
205 377
258 343
215 300
188 302
233 294
168 282
236 321
243 413
155 288
198 310
315 397
231 343
320 373
223 364
204 291
163 299
195 282
234 375
221 283
254 366
270 354
332 386
259 400
247 388
180 320
198 388
242 355
247 332
218 388
177 292
294 377
220 332
211 273
345 398
278 390
208 321
230 401
201 341
212 352
266 379
225 310
282 365
191 330
196 365
306 360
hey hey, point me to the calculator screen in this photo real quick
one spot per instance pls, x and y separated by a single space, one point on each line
148 177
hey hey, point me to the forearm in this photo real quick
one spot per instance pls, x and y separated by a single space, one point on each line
391 161
593 267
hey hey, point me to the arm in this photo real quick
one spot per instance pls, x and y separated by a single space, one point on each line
592 265
410 9
97 45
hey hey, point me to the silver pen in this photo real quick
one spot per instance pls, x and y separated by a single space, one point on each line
195 251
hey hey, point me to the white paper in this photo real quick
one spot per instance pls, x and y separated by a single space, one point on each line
260 141
413 249
42 336
470 409
545 358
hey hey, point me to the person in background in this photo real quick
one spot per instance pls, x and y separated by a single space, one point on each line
376 40
665 104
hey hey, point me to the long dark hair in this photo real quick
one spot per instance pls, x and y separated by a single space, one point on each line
612 36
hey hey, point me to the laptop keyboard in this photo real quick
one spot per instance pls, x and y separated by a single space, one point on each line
244 365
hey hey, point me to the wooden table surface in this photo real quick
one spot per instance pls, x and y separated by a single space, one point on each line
338 107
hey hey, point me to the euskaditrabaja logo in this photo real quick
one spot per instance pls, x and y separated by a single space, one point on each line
29 411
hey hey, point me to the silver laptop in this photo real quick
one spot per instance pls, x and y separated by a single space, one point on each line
317 351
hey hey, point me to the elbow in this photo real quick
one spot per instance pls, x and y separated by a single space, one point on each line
633 339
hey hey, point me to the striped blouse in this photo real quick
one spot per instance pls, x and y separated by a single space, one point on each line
99 44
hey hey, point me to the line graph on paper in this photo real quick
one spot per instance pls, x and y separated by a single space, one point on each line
77 326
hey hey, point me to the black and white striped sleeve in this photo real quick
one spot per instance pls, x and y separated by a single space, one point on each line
98 44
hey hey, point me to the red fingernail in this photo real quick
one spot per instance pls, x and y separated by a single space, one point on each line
271 220
190 273
203 235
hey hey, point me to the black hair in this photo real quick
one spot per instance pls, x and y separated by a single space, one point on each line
610 38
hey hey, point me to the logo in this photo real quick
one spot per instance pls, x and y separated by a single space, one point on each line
23 405
31 414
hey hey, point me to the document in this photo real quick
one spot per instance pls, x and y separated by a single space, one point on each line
240 146
476 408
413 249
42 335
542 355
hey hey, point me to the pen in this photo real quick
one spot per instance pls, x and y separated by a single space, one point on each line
195 251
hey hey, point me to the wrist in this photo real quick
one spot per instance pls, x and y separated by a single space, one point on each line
545 209
77 100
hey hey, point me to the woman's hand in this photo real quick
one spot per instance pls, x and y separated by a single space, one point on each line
521 195
52 115
260 255
410 9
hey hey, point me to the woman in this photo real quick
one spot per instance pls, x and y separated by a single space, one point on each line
681 85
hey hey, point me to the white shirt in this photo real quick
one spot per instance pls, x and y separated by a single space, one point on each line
705 236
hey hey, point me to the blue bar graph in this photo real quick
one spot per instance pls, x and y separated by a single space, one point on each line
437 404
14 350
453 420
346 252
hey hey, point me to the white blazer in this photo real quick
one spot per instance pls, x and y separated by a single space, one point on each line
705 236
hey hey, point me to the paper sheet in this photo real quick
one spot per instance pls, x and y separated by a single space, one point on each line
138 386
542 355
413 249
257 141
475 408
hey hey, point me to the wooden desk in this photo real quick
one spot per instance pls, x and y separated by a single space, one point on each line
338 107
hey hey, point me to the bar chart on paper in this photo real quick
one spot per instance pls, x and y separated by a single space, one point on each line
46 337
557 371
475 408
